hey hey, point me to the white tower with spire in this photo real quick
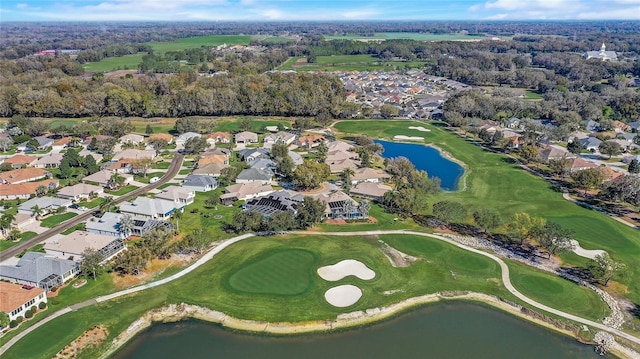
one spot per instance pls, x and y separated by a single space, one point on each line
603 54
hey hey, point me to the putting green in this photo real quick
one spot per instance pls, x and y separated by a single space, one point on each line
281 272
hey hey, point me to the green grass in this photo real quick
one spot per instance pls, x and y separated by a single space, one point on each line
77 227
440 267
27 235
205 217
127 62
199 41
166 185
283 272
257 124
123 190
162 165
184 172
91 204
347 63
54 220
532 95
493 181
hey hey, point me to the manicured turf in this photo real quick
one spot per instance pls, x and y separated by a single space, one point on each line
123 190
162 165
493 181
55 220
205 218
257 124
285 272
440 267
127 62
199 41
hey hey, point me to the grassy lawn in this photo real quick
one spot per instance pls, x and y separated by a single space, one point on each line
162 165
166 185
493 181
77 227
206 217
347 63
54 220
184 172
91 204
199 41
532 95
5 244
257 124
123 190
127 62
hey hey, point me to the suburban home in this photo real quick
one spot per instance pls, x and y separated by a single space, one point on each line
109 225
99 138
134 154
19 161
338 165
22 221
218 151
46 204
513 138
279 137
22 175
635 126
591 125
262 175
180 196
590 143
549 153
24 190
370 190
252 154
369 175
279 201
43 142
96 156
73 245
60 143
515 123
246 137
625 159
183 138
123 165
145 207
579 164
339 146
161 136
200 183
132 138
340 206
80 191
219 137
610 174
219 159
296 158
244 191
338 155
310 141
40 270
51 160
102 178
620 126
212 169
16 299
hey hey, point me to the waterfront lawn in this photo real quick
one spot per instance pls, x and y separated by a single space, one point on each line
494 181
440 267
55 220
123 190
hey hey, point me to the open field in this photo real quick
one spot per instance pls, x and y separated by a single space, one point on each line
257 124
199 41
158 124
408 36
127 62
347 63
493 181
227 280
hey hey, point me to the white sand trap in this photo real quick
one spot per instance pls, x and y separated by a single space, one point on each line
346 268
408 138
419 128
343 295
587 253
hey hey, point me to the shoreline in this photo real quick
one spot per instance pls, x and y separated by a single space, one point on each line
178 312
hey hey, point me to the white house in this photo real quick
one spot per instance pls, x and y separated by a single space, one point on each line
200 183
180 197
16 299
280 137
80 191
51 160
74 245
148 208
102 178
183 138
132 138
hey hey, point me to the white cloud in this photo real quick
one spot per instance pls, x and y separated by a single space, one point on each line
532 4
631 13
22 6
360 14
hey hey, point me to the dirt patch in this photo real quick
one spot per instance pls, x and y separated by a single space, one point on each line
154 267
119 73
299 63
91 338
397 258
618 288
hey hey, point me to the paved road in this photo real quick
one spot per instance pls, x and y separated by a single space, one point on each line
173 169
209 255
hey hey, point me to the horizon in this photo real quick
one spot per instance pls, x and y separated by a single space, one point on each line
83 11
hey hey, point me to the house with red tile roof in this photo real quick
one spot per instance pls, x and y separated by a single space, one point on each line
19 161
22 175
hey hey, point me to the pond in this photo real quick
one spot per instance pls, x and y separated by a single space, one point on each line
428 159
440 330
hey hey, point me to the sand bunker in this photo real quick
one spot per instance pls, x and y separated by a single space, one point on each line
419 128
346 268
343 295
587 253
408 138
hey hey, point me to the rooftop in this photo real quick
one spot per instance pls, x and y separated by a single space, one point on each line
14 295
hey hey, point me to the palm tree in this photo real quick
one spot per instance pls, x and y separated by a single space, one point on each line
346 177
107 203
348 208
36 211
364 208
126 225
5 221
115 181
177 215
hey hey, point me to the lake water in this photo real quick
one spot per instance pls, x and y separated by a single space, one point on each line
440 330
428 159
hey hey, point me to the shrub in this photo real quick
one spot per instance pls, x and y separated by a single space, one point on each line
19 319
34 309
54 289
42 305
28 313
13 323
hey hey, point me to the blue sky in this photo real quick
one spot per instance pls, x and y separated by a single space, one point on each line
307 10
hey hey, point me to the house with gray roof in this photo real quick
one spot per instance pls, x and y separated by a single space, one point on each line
145 207
246 137
200 183
180 196
590 143
591 125
275 202
264 176
183 138
635 126
51 160
253 154
40 270
72 246
80 191
46 204
110 225
43 142
211 169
